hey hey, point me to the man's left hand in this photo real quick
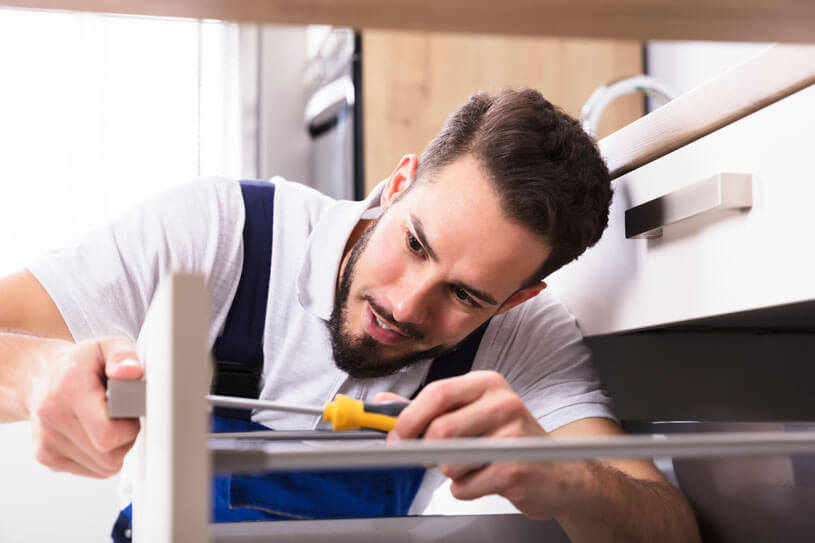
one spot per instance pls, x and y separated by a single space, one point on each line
482 404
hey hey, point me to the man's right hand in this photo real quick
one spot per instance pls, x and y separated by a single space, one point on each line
68 408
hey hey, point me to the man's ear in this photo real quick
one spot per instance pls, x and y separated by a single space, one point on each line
521 296
399 181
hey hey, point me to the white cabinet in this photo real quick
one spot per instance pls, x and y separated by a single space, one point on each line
716 263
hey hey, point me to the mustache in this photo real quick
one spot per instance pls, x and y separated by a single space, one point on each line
406 329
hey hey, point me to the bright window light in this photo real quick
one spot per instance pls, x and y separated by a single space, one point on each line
98 112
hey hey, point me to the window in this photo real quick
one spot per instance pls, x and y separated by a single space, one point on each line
97 112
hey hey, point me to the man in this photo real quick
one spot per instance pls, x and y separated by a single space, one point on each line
510 190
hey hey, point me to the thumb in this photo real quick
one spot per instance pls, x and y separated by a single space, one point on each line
121 361
389 397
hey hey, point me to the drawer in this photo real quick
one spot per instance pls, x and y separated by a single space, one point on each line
715 263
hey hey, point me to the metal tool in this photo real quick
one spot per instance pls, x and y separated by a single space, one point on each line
344 413
247 403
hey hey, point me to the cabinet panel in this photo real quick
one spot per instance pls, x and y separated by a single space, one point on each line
413 80
712 264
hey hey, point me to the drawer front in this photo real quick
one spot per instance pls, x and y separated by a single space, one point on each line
718 262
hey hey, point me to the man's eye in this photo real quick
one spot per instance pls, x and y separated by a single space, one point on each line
462 295
414 244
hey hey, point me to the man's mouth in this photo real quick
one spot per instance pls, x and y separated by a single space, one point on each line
382 323
380 329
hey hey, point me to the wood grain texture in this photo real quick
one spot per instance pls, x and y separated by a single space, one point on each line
771 75
746 20
413 81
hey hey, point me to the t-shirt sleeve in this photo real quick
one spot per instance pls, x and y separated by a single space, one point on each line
541 353
104 285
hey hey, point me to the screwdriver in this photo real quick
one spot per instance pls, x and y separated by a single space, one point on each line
344 413
126 399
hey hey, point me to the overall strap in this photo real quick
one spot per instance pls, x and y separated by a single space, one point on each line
239 349
456 362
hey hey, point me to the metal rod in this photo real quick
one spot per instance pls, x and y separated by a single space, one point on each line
237 456
300 435
244 403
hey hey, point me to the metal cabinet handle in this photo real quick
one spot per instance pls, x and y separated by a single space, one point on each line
721 191
328 105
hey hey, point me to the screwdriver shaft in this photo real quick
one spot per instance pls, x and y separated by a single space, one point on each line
245 403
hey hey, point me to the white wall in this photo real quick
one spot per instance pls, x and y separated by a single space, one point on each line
284 143
683 65
37 504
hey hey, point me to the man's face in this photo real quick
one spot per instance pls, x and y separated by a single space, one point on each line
440 261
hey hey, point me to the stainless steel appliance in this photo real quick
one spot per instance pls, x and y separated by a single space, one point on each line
333 115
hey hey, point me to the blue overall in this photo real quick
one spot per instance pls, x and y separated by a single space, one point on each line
290 495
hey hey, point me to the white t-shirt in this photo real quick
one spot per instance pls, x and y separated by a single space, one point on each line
104 286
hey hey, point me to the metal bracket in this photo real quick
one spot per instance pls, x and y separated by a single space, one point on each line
125 399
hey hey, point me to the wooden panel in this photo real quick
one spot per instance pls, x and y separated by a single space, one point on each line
771 75
413 81
747 20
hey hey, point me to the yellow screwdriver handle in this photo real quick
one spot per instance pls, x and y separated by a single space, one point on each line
346 413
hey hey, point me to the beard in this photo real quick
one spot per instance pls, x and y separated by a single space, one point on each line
361 357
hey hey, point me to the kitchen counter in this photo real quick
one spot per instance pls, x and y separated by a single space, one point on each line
746 20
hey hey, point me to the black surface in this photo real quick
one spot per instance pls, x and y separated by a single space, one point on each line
359 134
709 374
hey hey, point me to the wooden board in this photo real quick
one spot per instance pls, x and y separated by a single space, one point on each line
746 20
412 81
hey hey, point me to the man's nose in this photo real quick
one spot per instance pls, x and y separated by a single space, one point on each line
412 301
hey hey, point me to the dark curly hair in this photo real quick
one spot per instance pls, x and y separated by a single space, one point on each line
547 171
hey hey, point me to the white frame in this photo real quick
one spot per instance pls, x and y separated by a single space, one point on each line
171 486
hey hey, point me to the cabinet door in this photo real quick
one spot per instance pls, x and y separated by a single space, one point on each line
715 263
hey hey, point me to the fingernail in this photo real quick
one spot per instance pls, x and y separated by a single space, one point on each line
129 362
393 437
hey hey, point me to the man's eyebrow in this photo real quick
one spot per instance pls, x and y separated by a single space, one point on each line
419 229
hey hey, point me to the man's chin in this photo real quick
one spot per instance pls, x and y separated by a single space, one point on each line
365 358
366 367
